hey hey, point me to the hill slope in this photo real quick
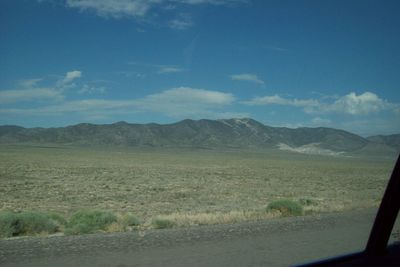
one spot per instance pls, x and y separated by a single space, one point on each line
389 140
233 133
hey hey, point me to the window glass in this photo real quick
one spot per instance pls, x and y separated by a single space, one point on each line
253 132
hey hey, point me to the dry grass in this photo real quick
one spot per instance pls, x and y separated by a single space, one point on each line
188 219
189 187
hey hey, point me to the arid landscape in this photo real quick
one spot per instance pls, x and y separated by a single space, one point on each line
198 132
184 186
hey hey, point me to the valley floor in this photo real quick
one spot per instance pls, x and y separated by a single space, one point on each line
186 186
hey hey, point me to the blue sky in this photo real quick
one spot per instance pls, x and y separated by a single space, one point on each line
284 63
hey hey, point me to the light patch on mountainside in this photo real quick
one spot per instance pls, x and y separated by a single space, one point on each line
238 125
243 121
235 122
311 148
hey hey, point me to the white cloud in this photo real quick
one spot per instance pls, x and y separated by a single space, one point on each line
169 69
183 22
72 75
87 89
185 102
212 2
30 91
266 100
179 24
146 11
181 102
161 69
352 104
115 8
29 83
278 100
190 95
248 77
86 105
67 81
32 94
137 8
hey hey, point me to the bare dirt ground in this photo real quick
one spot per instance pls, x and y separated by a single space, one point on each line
275 242
194 184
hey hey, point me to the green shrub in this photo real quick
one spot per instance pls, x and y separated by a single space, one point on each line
89 221
130 220
306 201
160 223
28 223
286 207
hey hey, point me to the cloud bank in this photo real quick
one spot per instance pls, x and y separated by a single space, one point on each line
352 104
141 9
32 94
180 102
114 8
30 91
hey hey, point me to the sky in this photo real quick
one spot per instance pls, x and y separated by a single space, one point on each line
284 63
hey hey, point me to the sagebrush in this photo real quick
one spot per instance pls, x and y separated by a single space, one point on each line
286 207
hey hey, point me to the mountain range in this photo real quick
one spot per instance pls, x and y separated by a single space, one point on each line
224 133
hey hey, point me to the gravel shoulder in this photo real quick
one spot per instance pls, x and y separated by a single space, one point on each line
275 242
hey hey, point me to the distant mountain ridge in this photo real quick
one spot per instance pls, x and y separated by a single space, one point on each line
392 140
229 133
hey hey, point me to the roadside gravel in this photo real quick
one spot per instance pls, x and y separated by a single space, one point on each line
176 245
